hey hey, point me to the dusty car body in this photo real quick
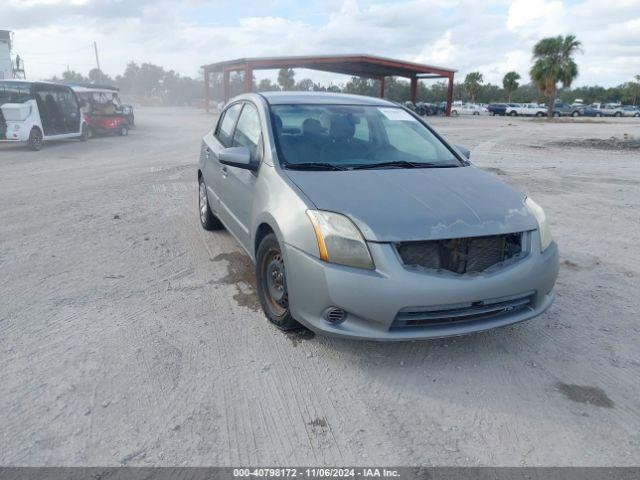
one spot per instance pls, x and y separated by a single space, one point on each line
368 248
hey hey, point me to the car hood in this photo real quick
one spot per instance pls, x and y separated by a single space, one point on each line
394 205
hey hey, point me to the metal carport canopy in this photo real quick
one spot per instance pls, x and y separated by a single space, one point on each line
368 66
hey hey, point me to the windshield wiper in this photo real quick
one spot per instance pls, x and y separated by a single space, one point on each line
402 164
312 166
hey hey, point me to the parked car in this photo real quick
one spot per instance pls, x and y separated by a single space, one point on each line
611 110
586 111
37 112
497 108
104 112
468 109
428 109
512 109
630 111
532 110
363 222
561 109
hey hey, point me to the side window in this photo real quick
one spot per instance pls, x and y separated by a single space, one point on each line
248 133
225 127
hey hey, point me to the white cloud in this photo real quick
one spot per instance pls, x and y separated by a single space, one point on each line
492 36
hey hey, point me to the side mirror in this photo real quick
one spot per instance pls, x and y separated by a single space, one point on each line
239 157
464 151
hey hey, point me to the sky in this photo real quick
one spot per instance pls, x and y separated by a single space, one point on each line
490 36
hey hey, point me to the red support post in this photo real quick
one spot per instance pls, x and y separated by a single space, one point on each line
449 95
414 89
381 93
225 85
248 79
207 90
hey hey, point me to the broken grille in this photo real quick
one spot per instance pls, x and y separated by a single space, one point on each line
465 312
461 255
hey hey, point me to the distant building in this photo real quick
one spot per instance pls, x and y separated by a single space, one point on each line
7 68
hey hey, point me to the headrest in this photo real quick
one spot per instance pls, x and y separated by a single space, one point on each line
312 126
342 128
278 122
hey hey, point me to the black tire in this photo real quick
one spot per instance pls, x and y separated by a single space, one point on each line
454 112
617 114
556 114
272 284
539 114
598 114
513 113
207 219
123 131
86 133
35 139
575 114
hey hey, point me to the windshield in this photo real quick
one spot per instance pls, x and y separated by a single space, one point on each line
11 92
348 136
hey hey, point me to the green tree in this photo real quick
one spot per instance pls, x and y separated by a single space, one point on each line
554 63
286 78
510 83
635 87
73 77
266 85
472 83
305 85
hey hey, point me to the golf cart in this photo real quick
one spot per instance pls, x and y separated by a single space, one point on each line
103 110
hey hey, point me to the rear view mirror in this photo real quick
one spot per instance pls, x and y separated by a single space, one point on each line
464 151
239 157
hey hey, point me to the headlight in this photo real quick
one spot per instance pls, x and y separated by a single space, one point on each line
339 240
543 224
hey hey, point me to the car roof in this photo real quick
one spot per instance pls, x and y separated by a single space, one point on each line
323 98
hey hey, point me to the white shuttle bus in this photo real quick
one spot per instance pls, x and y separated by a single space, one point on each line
37 112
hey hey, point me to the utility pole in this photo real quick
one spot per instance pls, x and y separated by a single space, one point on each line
95 49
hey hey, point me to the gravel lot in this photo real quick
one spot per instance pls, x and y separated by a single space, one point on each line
130 336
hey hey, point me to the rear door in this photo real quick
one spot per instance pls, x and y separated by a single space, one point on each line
238 184
213 143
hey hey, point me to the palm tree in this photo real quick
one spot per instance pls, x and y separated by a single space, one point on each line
510 83
472 84
554 63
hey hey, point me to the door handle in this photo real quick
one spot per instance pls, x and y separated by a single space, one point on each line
223 169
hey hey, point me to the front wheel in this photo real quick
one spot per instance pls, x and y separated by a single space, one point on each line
35 139
271 281
123 131
575 114
556 114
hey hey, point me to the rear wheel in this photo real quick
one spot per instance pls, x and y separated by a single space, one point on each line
617 114
556 114
272 283
575 114
35 139
207 219
513 113
539 114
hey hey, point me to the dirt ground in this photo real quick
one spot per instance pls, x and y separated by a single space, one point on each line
130 336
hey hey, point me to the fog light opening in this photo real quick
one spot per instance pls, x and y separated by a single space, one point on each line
335 315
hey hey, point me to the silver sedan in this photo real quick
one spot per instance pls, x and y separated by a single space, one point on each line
364 223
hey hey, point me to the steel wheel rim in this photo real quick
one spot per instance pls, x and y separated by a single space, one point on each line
203 203
275 283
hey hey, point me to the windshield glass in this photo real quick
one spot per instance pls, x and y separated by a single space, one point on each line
11 92
350 136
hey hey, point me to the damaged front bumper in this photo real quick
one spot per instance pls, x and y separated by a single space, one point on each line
397 303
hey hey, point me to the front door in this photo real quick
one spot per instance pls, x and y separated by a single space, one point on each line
237 189
213 170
